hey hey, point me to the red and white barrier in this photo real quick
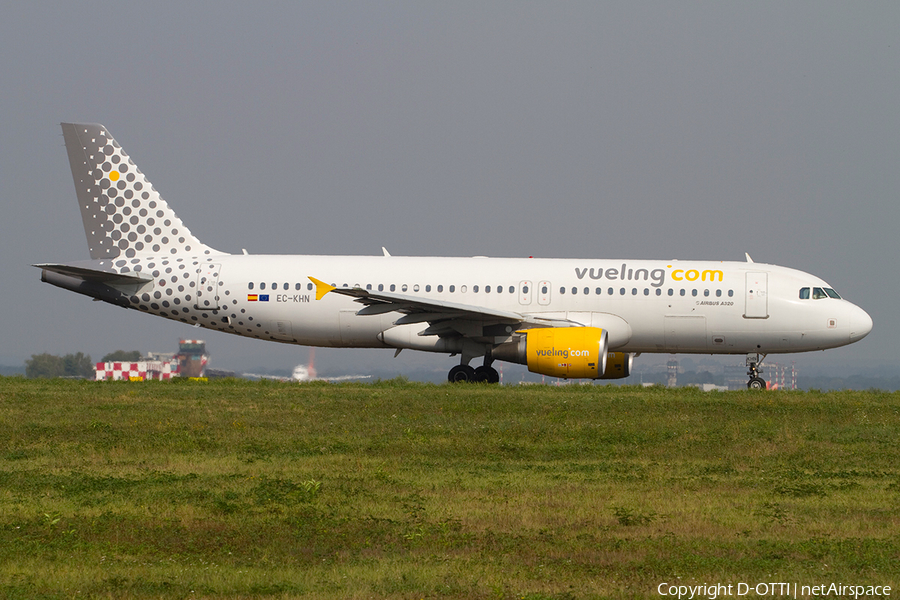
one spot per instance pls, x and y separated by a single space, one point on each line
141 371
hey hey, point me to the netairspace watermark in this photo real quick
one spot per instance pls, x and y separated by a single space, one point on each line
713 591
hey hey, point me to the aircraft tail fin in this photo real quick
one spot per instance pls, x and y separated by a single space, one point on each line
123 214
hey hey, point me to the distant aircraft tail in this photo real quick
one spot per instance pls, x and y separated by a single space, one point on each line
123 215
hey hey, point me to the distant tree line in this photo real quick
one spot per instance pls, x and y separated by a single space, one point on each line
72 365
48 365
122 356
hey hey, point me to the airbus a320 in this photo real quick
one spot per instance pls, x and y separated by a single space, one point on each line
568 318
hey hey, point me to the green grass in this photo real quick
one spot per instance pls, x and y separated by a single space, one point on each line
238 489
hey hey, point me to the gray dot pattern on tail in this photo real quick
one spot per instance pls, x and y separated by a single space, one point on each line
124 215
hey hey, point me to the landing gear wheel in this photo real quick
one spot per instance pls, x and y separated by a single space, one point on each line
754 362
461 374
487 374
757 383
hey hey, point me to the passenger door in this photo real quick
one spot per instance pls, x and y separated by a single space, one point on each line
756 298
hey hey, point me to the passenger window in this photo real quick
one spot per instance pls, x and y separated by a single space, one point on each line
287 286
393 287
380 287
804 293
646 292
818 293
544 289
611 291
562 290
369 286
298 287
487 289
682 292
718 293
694 292
428 288
250 286
621 291
499 289
671 292
706 293
416 287
574 290
634 291
403 287
524 289
658 292
309 286
440 288
262 286
462 289
730 293
452 288
598 291
587 291
475 289
274 286
512 289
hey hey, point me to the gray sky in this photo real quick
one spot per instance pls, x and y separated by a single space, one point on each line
611 130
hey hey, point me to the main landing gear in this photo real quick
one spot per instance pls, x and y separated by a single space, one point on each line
466 374
754 364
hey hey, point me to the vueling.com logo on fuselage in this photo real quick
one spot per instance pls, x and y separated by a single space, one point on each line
563 353
657 276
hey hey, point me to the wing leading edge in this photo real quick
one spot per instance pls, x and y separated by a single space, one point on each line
443 318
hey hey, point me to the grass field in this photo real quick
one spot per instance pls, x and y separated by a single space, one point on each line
237 489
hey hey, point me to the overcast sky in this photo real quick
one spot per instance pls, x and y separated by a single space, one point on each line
697 130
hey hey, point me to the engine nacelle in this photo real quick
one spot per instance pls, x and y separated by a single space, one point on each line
568 352
618 365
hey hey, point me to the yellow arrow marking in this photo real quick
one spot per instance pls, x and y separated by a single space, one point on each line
322 288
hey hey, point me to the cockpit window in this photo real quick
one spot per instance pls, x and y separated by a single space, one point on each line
819 293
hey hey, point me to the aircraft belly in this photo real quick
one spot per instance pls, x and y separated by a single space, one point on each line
685 333
362 332
309 324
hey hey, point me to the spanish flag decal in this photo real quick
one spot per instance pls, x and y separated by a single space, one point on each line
252 297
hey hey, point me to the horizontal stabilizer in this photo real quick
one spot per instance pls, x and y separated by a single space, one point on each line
96 275
108 286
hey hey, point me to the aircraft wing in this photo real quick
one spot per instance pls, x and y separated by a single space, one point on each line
443 317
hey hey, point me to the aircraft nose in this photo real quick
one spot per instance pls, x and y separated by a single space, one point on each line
860 323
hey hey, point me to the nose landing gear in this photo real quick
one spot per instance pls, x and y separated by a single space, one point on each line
754 364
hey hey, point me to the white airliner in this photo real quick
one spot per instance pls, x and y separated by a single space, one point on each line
570 318
303 373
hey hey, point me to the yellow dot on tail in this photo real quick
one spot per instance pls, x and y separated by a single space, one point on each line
114 176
